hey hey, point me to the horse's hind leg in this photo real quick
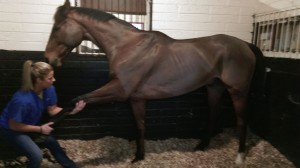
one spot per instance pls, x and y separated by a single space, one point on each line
138 107
214 93
239 99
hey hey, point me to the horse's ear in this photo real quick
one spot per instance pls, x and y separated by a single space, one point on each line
67 5
65 8
62 12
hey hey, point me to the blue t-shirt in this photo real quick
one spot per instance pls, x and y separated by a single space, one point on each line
27 107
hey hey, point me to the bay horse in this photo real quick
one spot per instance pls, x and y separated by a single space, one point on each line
145 65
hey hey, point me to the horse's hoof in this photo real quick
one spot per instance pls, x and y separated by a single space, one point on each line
201 147
240 158
75 100
137 158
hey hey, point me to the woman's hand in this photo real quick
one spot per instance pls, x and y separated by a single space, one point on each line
46 129
79 106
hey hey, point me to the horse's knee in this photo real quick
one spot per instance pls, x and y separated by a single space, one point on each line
121 96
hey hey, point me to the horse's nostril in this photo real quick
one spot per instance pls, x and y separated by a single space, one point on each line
56 62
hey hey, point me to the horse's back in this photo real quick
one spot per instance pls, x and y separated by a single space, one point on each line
217 51
197 62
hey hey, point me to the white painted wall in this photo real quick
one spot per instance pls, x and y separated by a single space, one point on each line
194 18
26 24
280 4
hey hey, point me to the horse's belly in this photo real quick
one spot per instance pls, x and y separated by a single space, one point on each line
165 86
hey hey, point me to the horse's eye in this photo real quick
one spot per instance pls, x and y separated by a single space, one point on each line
56 28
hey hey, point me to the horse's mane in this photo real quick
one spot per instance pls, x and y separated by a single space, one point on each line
94 14
98 15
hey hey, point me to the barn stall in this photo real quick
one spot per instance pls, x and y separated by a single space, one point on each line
102 135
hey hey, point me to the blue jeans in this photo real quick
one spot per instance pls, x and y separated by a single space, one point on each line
25 143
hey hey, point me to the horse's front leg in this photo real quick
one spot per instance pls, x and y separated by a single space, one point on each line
110 92
138 107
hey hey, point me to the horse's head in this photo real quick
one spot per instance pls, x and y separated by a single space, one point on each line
66 34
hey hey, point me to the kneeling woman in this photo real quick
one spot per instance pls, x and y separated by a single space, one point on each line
19 119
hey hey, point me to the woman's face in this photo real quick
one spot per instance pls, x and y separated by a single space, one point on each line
48 80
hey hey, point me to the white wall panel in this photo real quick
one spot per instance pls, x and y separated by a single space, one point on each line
26 24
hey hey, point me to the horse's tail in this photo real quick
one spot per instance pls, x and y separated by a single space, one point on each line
258 101
259 80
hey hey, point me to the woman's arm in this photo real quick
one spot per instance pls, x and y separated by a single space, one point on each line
20 127
52 110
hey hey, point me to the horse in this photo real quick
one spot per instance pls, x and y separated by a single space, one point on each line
147 65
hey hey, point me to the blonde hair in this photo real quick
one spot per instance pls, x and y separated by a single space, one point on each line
32 71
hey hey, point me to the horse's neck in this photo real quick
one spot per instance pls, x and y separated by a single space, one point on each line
109 35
